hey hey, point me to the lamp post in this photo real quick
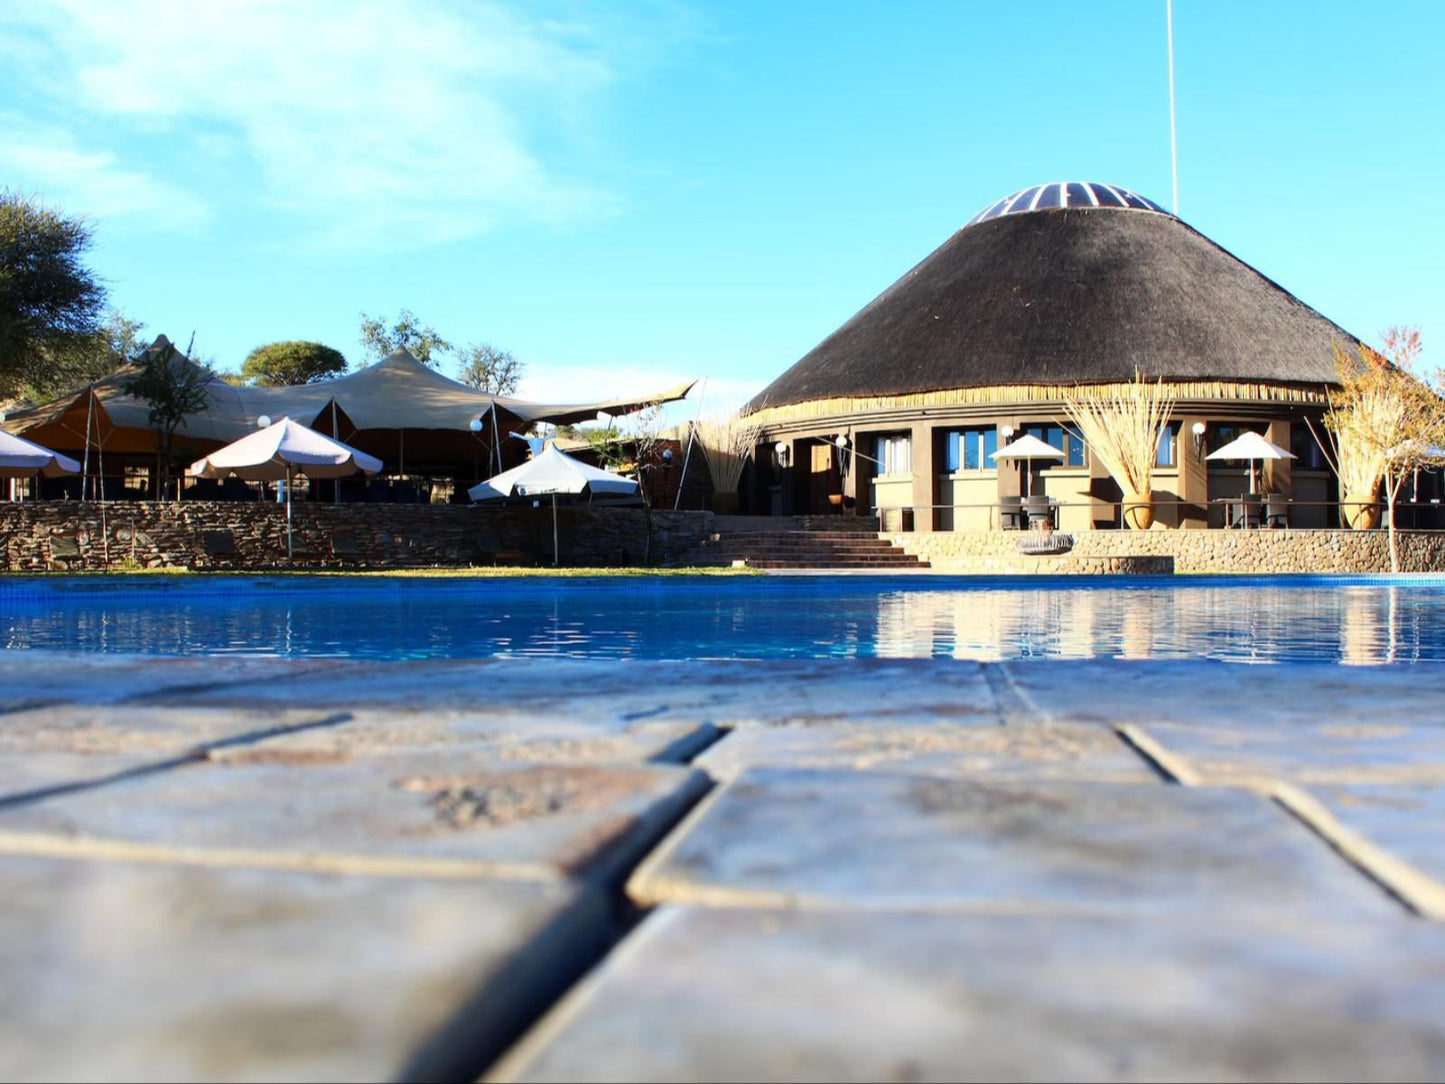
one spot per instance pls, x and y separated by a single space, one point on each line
1198 430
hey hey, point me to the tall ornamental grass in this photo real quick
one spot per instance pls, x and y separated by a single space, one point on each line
1122 428
727 445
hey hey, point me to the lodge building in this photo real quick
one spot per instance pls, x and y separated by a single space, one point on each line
1058 286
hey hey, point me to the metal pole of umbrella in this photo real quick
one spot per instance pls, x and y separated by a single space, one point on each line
288 513
556 556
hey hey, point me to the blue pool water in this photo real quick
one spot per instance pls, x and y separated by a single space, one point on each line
1354 620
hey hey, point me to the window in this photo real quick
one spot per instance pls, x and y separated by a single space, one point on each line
1220 435
972 449
1168 446
1064 439
1308 455
894 454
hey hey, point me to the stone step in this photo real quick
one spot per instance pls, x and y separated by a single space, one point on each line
851 549
819 547
784 551
879 565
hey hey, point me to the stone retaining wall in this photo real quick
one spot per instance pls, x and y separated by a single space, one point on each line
1268 551
56 535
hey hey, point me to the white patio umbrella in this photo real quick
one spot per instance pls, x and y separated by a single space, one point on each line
281 450
20 458
549 473
1253 447
1027 447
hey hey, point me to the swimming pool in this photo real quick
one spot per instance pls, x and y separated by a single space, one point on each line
1352 620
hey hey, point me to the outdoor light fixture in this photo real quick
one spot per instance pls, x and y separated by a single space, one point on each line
841 440
667 455
781 449
1006 430
475 425
264 421
1198 430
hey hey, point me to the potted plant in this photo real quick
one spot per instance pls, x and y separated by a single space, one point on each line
1123 427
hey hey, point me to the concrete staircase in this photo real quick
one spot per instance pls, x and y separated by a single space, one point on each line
769 547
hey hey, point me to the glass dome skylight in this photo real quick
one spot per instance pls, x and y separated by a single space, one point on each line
1057 195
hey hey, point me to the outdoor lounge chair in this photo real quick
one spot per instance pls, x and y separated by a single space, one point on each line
1040 512
1011 513
1251 511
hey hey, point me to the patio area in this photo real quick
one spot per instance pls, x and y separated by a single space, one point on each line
873 870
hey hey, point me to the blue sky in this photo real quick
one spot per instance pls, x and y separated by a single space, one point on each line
629 194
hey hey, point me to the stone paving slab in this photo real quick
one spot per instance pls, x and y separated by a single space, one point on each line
157 732
724 693
1408 821
1307 753
723 994
118 971
507 732
83 745
33 678
1211 693
778 837
1044 751
24 777
476 814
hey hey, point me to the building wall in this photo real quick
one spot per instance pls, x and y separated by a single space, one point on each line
152 535
1183 490
1262 552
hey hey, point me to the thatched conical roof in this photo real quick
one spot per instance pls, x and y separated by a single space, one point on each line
1064 296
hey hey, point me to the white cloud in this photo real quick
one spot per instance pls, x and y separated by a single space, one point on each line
391 122
47 162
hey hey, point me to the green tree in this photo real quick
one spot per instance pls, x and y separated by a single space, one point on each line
114 344
287 363
405 333
50 302
173 386
488 369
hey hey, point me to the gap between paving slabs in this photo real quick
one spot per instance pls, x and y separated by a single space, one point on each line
532 1058
1417 892
460 1049
1422 895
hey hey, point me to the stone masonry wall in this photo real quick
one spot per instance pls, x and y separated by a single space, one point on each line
1266 551
55 535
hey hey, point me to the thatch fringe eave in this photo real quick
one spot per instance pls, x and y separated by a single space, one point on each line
1027 394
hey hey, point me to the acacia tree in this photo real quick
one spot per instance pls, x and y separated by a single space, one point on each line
50 302
407 333
173 386
488 369
1385 421
285 364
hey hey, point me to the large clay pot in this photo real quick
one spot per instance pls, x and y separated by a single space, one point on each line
1359 515
725 504
1139 511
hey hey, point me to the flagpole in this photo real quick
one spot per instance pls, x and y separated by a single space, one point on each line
1173 136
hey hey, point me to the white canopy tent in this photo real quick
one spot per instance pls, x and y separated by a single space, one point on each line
281 450
551 472
1027 447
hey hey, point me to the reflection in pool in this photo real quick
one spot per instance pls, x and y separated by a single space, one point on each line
1352 620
